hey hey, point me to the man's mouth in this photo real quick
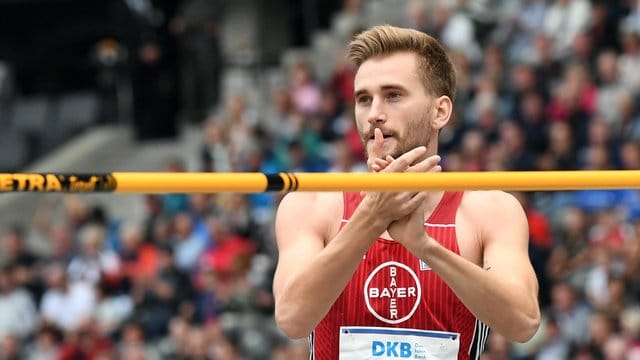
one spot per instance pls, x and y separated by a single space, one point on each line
384 136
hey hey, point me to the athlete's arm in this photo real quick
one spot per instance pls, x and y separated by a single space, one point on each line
504 292
309 276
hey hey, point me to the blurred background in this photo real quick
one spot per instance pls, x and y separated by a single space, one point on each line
256 85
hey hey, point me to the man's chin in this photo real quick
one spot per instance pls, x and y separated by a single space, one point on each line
394 152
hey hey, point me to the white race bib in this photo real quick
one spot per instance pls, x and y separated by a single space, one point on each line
359 342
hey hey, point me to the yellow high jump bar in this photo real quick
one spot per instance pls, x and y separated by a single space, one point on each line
163 182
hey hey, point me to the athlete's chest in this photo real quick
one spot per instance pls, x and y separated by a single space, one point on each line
394 285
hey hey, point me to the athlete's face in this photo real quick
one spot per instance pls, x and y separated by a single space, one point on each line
390 95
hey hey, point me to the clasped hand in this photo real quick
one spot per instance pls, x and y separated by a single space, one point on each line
403 213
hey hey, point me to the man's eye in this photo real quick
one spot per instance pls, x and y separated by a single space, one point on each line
364 99
393 95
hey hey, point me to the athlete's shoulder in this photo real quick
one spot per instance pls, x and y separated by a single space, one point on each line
489 203
318 212
311 200
488 195
490 207
299 206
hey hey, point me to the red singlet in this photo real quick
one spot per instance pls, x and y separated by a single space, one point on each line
394 290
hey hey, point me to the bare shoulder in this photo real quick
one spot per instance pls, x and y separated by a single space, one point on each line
311 201
491 206
501 198
320 211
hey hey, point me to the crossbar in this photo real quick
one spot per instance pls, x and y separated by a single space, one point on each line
186 182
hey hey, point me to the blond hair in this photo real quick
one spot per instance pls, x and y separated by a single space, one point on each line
434 65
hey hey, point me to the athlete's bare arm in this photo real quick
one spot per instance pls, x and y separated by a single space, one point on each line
315 263
310 276
503 293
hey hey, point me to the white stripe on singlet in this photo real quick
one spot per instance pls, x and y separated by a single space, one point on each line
480 335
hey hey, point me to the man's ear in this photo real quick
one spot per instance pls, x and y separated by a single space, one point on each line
442 109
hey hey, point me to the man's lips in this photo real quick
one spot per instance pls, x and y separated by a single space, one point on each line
386 140
384 136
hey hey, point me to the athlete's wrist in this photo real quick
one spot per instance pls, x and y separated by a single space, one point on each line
427 248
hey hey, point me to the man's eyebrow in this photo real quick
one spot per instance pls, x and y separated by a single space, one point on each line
393 87
383 87
359 92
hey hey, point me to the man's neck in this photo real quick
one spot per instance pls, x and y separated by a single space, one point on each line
432 202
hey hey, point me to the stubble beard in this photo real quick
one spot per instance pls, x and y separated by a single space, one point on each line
418 133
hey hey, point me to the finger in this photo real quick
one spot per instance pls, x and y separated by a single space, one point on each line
378 143
377 151
403 162
377 164
421 209
425 165
381 163
418 201
413 203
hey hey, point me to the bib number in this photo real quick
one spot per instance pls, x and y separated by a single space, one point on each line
359 342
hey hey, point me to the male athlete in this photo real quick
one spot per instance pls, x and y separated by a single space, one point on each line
406 274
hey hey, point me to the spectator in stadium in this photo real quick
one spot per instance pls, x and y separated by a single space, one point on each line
18 312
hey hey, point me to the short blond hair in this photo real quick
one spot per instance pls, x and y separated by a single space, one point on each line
434 65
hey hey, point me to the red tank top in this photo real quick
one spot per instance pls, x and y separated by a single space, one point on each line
392 288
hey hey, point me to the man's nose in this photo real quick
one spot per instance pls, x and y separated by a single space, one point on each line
377 113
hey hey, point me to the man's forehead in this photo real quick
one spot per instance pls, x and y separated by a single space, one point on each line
387 69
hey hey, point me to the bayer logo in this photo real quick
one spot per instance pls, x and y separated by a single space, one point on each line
392 292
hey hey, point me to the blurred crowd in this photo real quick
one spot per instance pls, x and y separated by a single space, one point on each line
542 85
